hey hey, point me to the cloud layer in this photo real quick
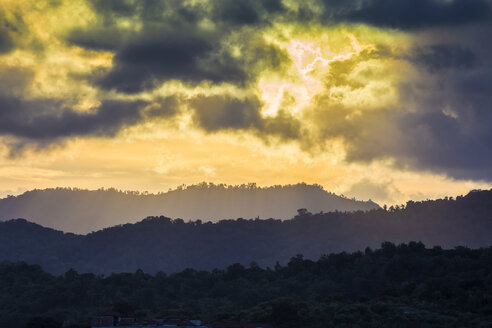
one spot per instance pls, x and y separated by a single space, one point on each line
406 81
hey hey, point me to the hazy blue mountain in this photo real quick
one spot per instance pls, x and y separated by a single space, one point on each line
159 243
83 211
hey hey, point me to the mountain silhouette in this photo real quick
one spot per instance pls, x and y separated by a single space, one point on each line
162 244
83 211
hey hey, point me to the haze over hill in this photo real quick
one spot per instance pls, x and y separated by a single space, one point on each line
159 243
83 211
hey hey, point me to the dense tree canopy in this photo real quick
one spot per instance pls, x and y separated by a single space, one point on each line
395 285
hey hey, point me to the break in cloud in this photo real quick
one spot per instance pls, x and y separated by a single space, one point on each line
406 82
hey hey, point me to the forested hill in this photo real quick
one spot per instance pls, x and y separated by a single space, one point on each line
404 285
159 243
82 211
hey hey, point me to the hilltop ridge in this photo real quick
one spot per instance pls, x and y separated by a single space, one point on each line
162 244
83 211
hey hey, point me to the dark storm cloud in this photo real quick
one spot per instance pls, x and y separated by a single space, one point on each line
412 13
48 119
246 12
6 42
164 16
283 125
450 132
443 56
217 113
173 45
189 57
443 143
116 7
430 141
462 126
427 140
238 12
176 56
103 38
44 121
235 12
273 6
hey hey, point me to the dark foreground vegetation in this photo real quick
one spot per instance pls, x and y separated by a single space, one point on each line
395 286
161 244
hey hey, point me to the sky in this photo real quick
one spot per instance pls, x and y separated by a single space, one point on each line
382 99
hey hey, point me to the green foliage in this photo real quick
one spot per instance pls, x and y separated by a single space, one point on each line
404 285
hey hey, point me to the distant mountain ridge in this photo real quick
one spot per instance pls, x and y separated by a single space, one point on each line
161 244
83 211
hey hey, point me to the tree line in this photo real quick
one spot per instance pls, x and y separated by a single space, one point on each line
405 285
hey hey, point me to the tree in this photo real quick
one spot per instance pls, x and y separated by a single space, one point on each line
43 322
124 308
